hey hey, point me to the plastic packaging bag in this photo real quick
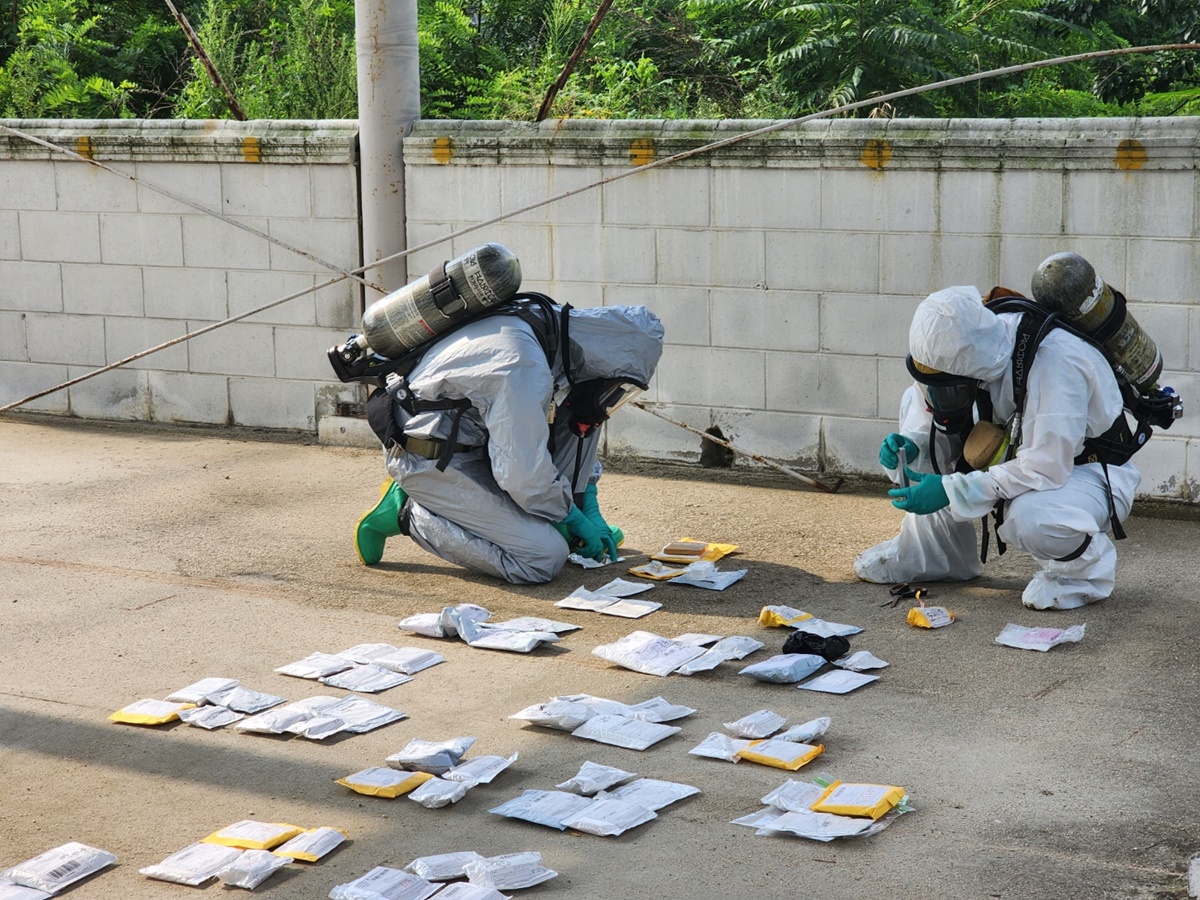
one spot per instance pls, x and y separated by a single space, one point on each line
198 691
606 817
781 754
381 781
563 715
648 653
658 709
621 731
244 700
434 757
249 834
720 746
864 800
315 665
210 717
383 883
313 844
427 624
533 623
57 868
734 647
193 865
547 808
9 891
480 769
840 681
511 871
437 792
149 712
806 732
1043 639
442 866
860 661
593 777
361 715
252 868
794 796
759 724
409 660
705 574
651 793
785 668
929 616
370 679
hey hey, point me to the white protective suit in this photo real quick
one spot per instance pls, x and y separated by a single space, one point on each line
493 508
1054 505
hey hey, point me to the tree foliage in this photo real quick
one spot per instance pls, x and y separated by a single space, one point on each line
496 59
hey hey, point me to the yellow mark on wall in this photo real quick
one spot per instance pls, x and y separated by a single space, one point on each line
641 151
443 149
251 150
875 154
1130 155
83 146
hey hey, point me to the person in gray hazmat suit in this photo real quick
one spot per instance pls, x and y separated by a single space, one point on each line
1056 509
519 492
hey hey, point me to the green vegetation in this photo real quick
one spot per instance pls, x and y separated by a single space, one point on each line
495 59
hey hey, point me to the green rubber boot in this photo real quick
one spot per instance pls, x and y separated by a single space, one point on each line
379 523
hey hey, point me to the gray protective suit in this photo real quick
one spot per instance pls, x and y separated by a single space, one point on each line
493 509
1054 505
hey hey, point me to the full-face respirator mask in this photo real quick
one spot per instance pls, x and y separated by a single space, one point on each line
951 398
590 403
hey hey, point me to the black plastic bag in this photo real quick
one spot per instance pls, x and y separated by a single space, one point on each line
830 648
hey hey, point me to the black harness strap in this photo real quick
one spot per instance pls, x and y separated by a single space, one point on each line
445 297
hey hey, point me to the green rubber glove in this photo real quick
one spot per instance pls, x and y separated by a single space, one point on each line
591 509
926 494
583 529
891 445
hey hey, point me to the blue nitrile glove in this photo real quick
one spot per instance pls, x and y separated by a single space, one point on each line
591 509
891 444
581 528
927 495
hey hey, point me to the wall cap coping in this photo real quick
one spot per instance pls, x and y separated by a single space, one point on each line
326 141
930 144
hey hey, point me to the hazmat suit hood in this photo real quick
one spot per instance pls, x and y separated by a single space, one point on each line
953 332
614 342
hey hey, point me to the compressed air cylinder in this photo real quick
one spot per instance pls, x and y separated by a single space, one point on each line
406 318
1067 284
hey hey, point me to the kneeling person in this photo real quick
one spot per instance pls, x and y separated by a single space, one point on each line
496 464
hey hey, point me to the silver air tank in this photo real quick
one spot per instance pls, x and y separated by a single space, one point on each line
1067 284
454 291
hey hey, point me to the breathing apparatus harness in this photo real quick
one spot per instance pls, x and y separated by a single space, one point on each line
1158 407
390 377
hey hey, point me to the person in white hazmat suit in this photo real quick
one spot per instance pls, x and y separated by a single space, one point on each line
1055 509
519 492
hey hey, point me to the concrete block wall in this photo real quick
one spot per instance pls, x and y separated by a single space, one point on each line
97 265
786 266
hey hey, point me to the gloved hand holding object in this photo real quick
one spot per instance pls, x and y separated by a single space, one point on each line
580 527
591 509
893 443
927 495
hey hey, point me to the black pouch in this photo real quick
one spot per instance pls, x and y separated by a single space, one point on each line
830 648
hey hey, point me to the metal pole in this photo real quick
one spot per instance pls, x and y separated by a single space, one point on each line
389 102
811 482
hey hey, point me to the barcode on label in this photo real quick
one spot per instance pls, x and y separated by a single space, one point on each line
64 870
